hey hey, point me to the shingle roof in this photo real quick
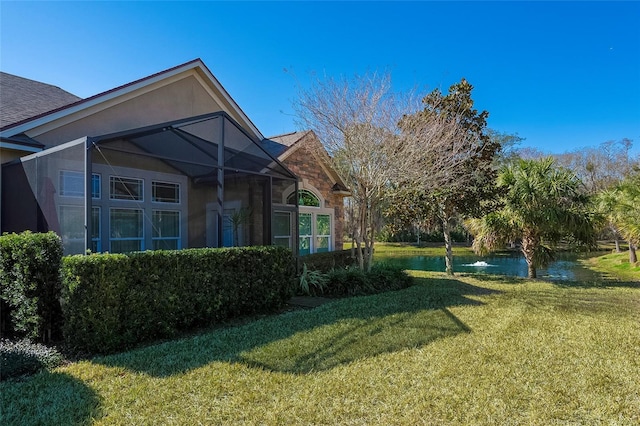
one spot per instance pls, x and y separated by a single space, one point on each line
278 145
21 98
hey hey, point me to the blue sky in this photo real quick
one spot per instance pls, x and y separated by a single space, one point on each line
563 75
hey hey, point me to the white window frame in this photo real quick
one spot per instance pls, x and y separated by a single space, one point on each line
122 178
314 211
146 204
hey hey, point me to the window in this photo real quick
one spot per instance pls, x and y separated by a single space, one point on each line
72 229
315 223
164 192
166 230
122 188
323 233
72 184
126 230
282 229
96 241
305 198
306 233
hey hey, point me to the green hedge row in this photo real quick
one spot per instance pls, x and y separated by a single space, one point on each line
112 301
355 282
325 262
30 285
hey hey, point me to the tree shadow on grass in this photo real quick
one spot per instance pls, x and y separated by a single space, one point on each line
47 399
313 340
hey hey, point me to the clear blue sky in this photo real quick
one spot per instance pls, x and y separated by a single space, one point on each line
563 75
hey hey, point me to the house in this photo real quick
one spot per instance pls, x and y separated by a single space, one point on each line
169 161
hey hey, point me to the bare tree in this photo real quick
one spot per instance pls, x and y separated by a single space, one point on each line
376 143
357 121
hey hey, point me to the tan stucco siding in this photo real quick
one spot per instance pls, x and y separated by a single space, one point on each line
7 155
184 98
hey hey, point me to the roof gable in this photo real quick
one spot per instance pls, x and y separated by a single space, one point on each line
283 146
70 113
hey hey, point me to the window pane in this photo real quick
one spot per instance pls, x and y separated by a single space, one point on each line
71 183
305 245
126 223
323 224
95 186
163 192
95 223
165 244
166 224
305 198
305 224
72 222
125 188
282 241
282 224
322 244
124 246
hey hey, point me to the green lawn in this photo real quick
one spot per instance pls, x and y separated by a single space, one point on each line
616 266
461 350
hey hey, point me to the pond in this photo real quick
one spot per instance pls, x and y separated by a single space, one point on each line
565 268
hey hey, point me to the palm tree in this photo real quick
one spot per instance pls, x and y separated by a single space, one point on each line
543 205
621 206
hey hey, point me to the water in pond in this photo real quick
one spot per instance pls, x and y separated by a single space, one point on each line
565 268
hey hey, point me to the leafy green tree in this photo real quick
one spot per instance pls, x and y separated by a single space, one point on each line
468 188
543 205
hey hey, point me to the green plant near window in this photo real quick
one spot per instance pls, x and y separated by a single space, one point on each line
312 282
239 218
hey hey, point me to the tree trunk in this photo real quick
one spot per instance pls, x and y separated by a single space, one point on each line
633 258
615 238
528 250
446 228
369 262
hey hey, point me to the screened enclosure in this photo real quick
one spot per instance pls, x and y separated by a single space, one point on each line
198 182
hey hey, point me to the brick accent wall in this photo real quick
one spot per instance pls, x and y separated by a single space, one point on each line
307 166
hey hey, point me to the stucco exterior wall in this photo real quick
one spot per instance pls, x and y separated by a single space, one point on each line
181 99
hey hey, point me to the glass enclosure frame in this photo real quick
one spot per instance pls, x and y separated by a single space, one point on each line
205 172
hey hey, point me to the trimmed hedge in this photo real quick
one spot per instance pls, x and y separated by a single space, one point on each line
325 262
355 282
30 285
114 301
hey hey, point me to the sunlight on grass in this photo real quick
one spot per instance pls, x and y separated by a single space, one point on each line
450 350
616 265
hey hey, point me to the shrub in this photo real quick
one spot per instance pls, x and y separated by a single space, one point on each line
23 357
353 281
112 302
324 262
30 285
312 283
